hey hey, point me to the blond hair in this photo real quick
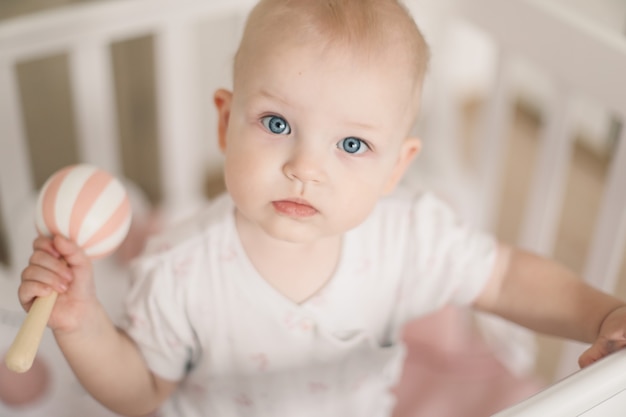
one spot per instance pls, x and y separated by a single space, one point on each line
367 29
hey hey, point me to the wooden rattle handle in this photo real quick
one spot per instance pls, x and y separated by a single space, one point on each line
88 206
21 354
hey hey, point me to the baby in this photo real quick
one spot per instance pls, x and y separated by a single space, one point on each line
287 296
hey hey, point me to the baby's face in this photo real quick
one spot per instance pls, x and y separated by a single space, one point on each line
314 140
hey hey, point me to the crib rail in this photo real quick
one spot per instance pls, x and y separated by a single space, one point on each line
580 60
596 391
85 34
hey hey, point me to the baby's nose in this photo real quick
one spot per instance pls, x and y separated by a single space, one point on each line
306 165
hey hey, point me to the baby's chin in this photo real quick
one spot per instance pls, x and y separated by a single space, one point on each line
294 231
296 234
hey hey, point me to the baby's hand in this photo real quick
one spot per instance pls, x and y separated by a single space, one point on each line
612 337
57 264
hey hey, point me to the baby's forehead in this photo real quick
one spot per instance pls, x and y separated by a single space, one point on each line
326 84
326 64
364 31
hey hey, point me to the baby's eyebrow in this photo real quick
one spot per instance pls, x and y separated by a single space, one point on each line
267 94
361 125
350 124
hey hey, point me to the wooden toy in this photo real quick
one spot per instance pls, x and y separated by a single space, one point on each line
88 206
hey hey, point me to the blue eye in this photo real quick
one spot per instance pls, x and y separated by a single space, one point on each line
353 145
276 124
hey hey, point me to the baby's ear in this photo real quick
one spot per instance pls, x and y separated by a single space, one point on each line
223 100
410 149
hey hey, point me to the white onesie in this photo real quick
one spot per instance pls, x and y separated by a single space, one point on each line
200 313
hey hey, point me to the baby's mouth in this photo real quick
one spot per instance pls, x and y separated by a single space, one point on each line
294 208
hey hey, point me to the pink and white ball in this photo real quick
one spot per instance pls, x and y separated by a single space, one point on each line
86 205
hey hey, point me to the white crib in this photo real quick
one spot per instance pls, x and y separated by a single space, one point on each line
192 42
579 60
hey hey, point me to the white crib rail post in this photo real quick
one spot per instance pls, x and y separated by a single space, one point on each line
607 246
16 181
94 105
541 218
609 240
181 167
494 144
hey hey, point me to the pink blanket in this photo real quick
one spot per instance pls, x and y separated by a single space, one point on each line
451 372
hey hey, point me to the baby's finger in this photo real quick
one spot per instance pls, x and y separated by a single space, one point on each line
30 290
591 355
44 243
45 261
599 350
71 252
44 276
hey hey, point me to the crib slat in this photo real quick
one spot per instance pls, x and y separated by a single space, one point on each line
181 166
493 146
541 219
607 246
609 240
66 29
94 105
552 23
60 28
16 181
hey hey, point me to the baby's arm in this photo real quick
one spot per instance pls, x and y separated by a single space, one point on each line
546 297
104 359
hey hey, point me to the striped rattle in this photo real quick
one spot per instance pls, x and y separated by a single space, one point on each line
88 206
